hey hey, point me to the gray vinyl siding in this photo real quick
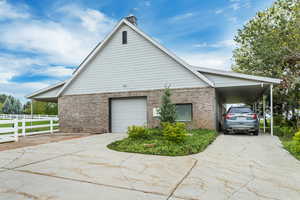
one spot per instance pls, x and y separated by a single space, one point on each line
137 65
49 94
227 81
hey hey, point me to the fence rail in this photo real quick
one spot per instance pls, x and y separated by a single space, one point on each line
11 130
25 116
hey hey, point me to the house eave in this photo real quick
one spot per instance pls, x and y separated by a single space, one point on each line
41 91
238 75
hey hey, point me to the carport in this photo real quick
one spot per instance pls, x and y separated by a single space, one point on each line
236 88
250 95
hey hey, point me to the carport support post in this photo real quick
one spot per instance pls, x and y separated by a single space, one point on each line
271 105
264 112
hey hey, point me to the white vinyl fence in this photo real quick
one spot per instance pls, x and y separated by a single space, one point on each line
22 116
11 130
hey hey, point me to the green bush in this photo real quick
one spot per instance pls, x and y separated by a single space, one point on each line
155 131
297 137
284 131
174 131
293 147
138 132
278 119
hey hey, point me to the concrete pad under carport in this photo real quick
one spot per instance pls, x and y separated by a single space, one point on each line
249 94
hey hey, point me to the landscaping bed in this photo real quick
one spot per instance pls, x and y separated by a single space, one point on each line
157 144
293 147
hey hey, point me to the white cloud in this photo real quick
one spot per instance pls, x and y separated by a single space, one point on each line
55 71
220 44
235 6
219 11
182 17
20 90
6 76
232 19
92 20
52 44
9 12
59 42
216 60
11 66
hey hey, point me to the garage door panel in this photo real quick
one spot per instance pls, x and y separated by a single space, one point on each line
128 112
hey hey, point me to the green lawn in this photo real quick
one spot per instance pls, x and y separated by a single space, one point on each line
196 142
292 146
29 124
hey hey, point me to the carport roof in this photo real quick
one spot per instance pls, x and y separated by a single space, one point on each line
237 75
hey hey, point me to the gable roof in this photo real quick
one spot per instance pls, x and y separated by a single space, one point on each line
136 29
46 89
237 75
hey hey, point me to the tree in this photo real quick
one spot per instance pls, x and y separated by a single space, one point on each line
12 106
167 110
27 108
2 98
269 45
1 106
45 108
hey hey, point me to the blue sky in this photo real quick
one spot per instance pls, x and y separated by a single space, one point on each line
41 42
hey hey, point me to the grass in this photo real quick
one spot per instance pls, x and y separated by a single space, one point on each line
291 146
29 124
196 142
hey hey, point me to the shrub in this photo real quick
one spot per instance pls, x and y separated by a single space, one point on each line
138 132
297 137
293 147
284 131
278 119
155 132
167 110
174 131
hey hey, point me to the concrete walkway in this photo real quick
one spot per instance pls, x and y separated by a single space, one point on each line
233 167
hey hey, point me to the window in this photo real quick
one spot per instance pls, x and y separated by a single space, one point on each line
124 37
183 112
240 110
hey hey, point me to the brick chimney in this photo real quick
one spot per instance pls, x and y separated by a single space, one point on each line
132 19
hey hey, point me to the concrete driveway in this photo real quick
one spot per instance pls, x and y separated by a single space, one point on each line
233 167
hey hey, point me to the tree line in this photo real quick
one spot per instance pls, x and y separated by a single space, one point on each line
269 45
12 105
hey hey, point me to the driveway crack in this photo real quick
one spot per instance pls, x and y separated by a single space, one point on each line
126 178
183 178
14 160
244 185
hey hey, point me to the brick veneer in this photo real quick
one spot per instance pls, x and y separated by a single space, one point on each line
90 113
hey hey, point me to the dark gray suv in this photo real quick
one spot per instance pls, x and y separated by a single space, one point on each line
240 120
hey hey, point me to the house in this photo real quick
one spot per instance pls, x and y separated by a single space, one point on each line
121 81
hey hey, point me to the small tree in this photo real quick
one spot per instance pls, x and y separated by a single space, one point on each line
167 110
12 106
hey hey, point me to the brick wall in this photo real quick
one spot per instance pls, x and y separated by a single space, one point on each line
90 113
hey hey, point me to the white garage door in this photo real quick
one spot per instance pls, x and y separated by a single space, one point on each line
128 112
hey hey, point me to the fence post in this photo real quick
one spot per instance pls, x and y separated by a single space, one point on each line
51 125
23 126
16 130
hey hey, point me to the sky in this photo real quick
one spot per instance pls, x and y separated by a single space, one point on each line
43 41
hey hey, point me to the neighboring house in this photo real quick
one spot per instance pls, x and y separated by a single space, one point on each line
121 81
